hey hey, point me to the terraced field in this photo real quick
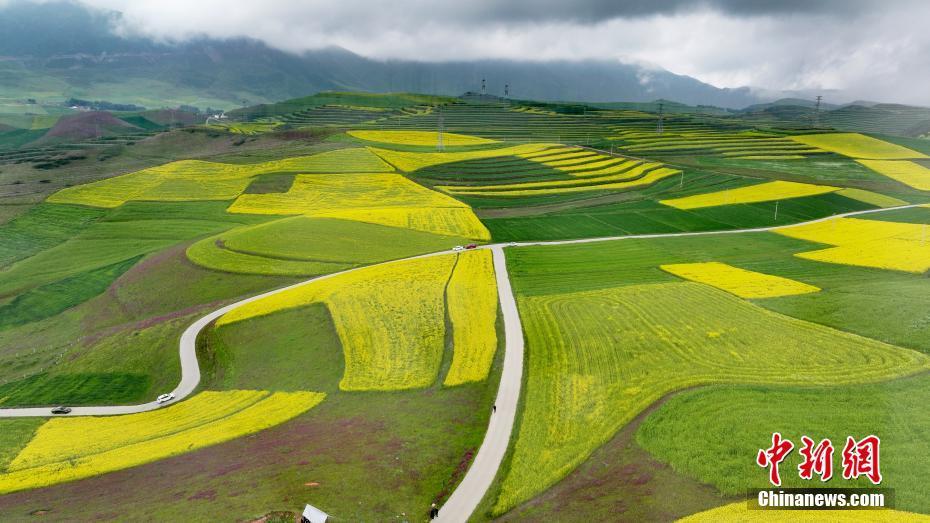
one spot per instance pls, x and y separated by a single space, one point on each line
418 138
857 145
750 145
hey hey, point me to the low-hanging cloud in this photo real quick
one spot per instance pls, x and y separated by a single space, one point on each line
864 48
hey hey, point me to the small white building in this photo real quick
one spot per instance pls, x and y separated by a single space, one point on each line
312 514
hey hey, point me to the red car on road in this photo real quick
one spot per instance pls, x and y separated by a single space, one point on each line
471 246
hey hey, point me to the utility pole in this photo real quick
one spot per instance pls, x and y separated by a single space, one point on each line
817 112
439 146
776 210
659 128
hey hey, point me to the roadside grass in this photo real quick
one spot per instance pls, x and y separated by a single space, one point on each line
736 421
80 388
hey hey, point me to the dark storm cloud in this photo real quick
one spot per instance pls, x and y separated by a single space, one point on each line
593 11
865 48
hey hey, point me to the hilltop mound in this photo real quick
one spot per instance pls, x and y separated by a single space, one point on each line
86 126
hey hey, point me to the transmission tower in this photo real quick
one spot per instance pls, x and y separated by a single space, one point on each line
439 146
484 87
506 90
659 127
817 112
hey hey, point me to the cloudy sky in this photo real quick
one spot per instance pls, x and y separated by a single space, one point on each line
878 50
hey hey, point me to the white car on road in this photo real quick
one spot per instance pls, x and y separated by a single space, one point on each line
458 248
165 398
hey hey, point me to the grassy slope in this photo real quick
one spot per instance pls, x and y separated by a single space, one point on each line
324 239
306 349
133 327
713 434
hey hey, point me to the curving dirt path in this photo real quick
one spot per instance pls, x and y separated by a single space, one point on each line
466 497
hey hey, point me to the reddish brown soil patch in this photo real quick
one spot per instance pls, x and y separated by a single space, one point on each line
83 126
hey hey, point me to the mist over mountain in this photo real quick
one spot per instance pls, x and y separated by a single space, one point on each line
59 50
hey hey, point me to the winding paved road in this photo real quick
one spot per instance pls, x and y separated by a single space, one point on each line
481 473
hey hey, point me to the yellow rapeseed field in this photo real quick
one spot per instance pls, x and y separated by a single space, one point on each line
739 511
908 173
741 282
66 449
580 181
472 304
856 145
411 161
763 192
193 180
867 243
381 198
451 221
419 138
390 319
650 178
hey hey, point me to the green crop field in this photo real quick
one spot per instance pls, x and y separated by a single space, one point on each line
707 433
654 367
